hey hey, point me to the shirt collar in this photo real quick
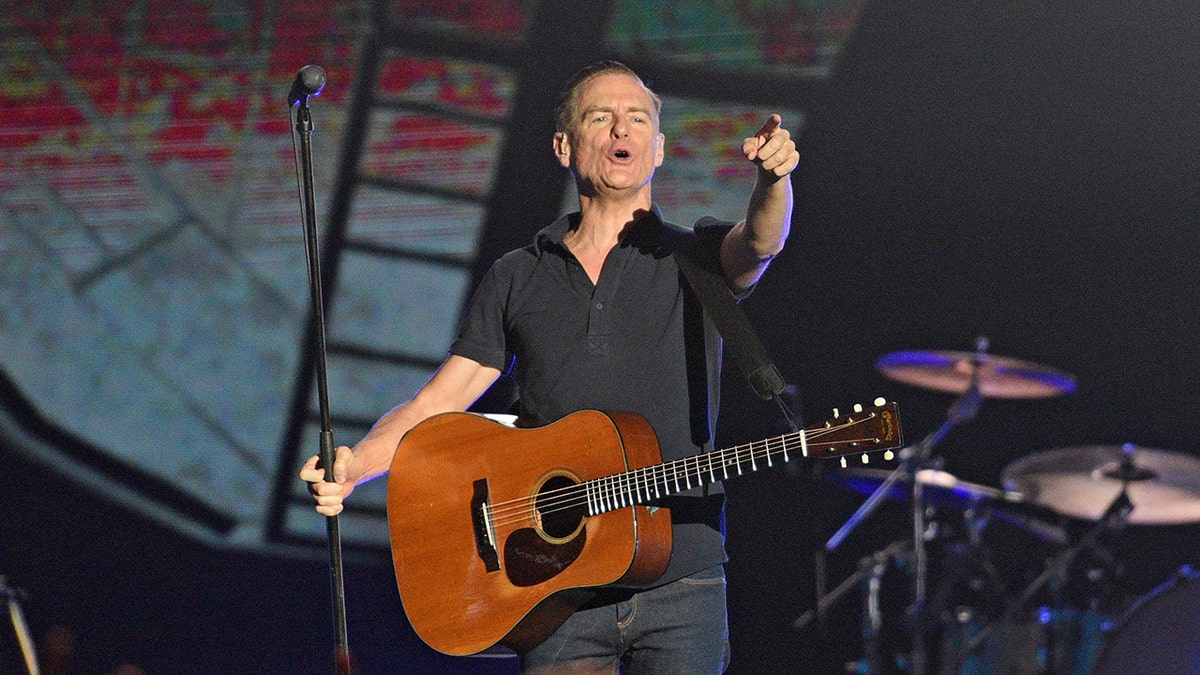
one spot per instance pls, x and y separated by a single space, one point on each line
553 234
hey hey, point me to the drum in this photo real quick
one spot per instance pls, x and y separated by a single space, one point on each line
1159 634
1062 641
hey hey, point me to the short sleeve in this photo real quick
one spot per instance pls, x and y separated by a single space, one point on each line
481 335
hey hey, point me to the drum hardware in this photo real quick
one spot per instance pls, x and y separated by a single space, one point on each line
973 376
1055 574
871 569
973 580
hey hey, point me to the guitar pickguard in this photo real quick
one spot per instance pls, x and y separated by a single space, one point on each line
529 559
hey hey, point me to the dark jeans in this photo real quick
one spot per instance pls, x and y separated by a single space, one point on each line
679 628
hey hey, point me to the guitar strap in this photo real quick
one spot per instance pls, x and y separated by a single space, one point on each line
744 346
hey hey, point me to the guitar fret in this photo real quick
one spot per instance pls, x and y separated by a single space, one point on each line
647 484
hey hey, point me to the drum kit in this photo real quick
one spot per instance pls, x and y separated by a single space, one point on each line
969 617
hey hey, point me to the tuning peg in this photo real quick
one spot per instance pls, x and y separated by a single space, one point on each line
836 414
880 401
866 458
858 407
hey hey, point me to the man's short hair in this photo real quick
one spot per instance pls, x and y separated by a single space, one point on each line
566 111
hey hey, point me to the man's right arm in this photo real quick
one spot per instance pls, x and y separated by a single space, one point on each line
455 386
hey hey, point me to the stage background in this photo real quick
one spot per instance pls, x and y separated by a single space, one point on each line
1022 172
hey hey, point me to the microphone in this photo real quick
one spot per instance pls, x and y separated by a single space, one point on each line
309 82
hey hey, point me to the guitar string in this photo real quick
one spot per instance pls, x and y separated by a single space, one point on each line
630 491
523 505
499 508
628 488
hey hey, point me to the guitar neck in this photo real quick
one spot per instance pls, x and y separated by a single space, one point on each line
860 432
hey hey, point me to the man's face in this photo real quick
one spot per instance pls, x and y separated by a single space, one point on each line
614 145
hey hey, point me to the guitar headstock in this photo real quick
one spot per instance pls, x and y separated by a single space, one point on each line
862 431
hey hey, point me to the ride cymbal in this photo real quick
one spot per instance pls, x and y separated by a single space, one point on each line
1082 482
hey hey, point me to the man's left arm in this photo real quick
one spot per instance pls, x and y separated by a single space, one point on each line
751 244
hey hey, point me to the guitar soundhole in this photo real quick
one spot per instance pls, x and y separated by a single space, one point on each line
561 507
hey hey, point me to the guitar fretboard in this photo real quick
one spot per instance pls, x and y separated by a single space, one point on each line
655 482
647 484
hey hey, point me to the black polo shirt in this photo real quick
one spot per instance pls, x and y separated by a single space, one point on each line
635 341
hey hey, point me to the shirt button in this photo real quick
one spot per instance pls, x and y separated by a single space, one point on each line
599 305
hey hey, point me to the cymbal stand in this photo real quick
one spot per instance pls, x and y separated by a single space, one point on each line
912 460
12 596
865 566
870 568
1114 518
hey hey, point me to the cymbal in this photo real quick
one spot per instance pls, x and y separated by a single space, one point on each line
1082 482
999 377
941 488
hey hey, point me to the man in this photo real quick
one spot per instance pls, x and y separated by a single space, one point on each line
594 314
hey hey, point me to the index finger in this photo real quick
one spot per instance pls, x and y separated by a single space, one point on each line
773 122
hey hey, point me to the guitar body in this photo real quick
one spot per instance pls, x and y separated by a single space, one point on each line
469 583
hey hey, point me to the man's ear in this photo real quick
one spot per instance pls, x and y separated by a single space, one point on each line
562 149
660 151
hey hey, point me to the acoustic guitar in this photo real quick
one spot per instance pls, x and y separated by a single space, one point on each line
499 533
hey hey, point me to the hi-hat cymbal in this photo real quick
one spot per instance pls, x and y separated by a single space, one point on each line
998 376
943 490
1082 482
940 487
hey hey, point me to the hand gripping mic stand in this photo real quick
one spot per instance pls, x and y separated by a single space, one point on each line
309 82
913 459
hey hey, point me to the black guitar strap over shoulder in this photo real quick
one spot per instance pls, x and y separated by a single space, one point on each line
744 346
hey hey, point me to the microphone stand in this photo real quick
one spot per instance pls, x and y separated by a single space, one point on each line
12 597
912 459
309 82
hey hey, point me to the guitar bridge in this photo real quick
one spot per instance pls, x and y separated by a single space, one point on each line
485 534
